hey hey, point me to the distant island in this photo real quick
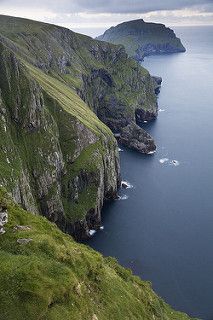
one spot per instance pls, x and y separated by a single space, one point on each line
142 39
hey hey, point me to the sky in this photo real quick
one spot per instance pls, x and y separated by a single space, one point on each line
93 17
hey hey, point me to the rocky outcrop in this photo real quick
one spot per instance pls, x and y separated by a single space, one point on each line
114 106
138 139
142 38
157 84
143 115
3 218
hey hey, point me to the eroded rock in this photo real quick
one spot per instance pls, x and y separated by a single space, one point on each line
136 138
157 84
3 219
78 289
24 240
21 228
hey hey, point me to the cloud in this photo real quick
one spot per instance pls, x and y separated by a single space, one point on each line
110 6
92 17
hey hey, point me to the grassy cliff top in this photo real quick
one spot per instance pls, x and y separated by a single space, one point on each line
52 277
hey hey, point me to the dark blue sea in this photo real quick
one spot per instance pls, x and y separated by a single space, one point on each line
163 230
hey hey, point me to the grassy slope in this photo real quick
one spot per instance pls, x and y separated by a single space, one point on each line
69 100
54 278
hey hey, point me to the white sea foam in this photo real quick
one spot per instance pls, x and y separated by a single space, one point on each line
102 228
145 121
151 152
161 110
163 160
126 185
174 163
120 150
124 197
92 232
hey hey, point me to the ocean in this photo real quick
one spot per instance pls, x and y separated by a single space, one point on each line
162 227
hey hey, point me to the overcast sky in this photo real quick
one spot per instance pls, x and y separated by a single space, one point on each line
92 17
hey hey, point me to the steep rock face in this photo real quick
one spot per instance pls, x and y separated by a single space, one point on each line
54 161
3 218
142 38
157 83
114 103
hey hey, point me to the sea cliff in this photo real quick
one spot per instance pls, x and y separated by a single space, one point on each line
60 94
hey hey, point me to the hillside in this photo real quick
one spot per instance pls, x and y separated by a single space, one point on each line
142 38
45 275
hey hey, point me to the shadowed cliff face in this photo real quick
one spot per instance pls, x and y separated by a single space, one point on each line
142 39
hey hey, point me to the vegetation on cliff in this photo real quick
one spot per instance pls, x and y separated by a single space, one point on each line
105 78
54 150
46 275
142 38
57 158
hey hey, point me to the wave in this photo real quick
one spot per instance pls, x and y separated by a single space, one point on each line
151 152
126 185
174 163
124 197
171 162
163 160
92 232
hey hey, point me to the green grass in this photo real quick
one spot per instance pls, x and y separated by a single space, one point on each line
54 278
69 100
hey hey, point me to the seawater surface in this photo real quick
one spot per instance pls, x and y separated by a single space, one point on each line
163 229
